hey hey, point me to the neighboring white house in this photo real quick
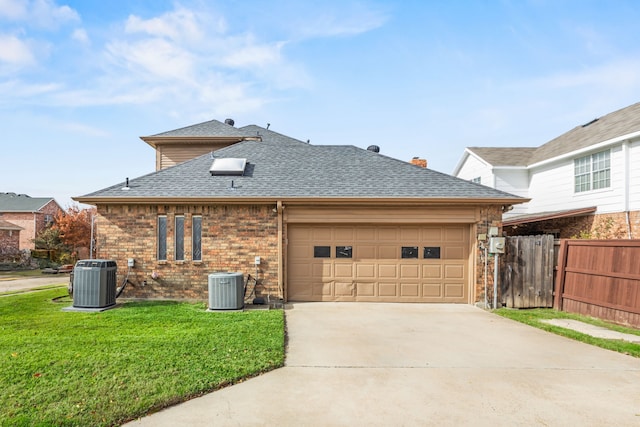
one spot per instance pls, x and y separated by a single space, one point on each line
586 181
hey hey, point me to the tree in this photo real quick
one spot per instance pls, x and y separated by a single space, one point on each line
75 227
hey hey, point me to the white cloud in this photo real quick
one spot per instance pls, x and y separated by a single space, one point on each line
38 13
13 9
249 53
343 20
15 51
80 35
179 25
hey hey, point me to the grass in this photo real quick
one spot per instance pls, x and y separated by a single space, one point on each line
101 369
39 288
534 317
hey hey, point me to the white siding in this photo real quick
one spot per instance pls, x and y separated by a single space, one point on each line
634 176
515 182
552 188
473 168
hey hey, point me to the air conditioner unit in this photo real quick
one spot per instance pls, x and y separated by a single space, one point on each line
94 283
226 291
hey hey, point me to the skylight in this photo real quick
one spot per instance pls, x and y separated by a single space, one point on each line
228 166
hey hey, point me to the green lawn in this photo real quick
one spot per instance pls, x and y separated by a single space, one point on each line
534 316
70 368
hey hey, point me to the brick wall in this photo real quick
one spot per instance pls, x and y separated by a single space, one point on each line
489 217
9 240
600 226
232 235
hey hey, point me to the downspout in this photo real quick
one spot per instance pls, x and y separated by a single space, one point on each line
279 209
625 154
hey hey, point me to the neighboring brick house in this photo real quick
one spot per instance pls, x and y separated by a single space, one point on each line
584 183
9 237
31 214
328 223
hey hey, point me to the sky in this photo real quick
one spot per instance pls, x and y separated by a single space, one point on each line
82 80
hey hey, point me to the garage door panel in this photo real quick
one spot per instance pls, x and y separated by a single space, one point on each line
432 290
454 252
343 270
387 233
387 271
454 271
432 271
409 289
410 271
377 272
454 290
365 289
322 233
365 271
432 234
322 289
387 289
320 270
388 252
454 234
344 289
366 252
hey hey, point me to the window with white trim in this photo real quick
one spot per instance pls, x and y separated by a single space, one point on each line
592 172
477 180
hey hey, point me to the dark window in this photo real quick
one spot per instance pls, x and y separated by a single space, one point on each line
162 238
409 252
179 238
431 252
196 238
344 252
322 251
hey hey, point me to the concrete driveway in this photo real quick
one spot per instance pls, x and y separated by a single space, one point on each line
418 364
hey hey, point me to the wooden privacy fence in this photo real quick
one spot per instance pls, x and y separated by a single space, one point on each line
600 278
527 271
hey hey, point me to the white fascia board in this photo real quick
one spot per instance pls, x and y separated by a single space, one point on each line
603 144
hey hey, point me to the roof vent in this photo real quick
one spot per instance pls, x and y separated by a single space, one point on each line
373 148
228 166
229 122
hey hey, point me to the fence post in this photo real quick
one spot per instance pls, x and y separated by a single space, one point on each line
559 285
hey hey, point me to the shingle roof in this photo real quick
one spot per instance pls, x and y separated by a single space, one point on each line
6 225
618 123
300 170
268 135
210 128
504 156
12 202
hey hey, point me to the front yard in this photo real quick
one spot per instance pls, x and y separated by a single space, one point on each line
535 316
70 368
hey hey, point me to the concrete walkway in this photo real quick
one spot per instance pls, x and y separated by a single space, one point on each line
418 364
16 283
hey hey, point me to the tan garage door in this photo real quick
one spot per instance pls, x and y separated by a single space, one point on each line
426 263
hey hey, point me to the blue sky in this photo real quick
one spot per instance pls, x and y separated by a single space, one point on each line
82 80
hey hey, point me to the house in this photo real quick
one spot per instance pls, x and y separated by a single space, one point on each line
31 214
584 183
311 223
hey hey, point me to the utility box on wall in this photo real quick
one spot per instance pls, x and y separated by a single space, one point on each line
496 245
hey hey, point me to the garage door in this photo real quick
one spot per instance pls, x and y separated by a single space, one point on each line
378 263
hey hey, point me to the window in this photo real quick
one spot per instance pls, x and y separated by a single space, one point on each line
431 252
592 172
179 238
344 252
322 251
162 238
477 180
196 238
409 252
